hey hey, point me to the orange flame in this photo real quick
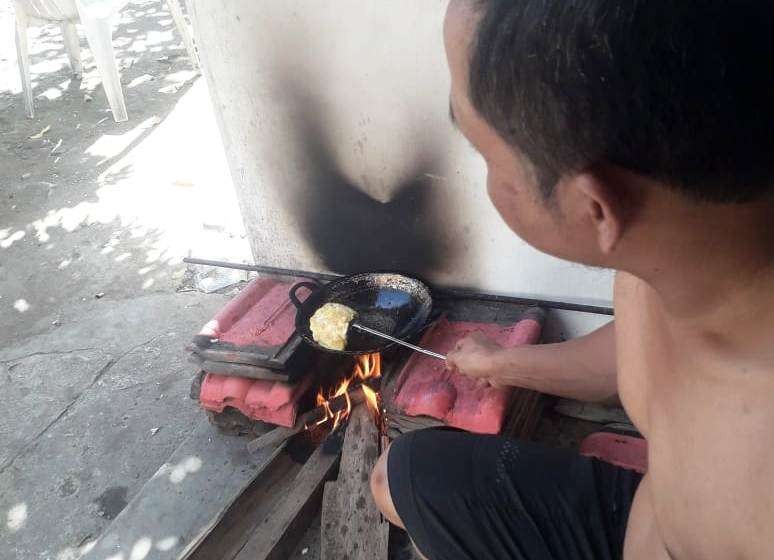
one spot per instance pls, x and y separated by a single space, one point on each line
368 366
372 400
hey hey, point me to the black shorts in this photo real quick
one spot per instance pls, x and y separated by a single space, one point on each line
478 497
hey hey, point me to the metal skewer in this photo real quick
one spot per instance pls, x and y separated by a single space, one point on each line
399 341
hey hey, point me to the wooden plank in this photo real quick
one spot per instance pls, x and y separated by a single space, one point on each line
591 412
277 535
241 370
351 525
403 423
524 414
234 356
176 509
249 510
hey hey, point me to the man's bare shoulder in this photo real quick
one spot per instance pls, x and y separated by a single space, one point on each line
631 293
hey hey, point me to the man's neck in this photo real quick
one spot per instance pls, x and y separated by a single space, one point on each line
710 264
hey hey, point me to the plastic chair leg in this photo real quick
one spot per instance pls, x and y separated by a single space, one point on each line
72 46
23 56
99 35
182 28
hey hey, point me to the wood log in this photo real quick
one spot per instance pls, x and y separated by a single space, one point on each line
351 525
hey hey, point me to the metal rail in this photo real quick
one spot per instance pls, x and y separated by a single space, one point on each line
461 293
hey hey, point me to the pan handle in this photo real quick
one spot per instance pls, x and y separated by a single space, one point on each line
313 286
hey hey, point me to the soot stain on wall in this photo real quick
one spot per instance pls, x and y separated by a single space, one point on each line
350 230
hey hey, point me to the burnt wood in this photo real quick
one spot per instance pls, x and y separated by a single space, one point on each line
335 404
351 525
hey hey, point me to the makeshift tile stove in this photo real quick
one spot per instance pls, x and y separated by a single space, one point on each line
252 361
255 368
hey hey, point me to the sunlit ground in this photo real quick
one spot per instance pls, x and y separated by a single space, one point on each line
174 182
141 194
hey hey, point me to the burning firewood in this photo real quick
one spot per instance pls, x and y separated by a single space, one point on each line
336 407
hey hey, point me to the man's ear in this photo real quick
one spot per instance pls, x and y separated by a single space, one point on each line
601 205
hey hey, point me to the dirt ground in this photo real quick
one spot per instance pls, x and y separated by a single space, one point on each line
96 304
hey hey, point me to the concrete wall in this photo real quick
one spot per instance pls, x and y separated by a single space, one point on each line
335 121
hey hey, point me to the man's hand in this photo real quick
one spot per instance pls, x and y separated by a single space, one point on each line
476 356
582 368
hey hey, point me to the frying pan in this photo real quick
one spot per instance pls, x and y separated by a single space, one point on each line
388 302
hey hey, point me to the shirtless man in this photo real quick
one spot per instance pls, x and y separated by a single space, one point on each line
637 136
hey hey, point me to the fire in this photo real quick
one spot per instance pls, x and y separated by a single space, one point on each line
369 366
372 399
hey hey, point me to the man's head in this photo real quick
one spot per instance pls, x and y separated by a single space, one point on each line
585 110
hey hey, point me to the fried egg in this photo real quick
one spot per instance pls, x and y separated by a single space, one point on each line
329 325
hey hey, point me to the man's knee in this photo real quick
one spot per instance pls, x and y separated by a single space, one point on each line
380 488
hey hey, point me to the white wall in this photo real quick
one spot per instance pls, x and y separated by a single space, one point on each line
325 108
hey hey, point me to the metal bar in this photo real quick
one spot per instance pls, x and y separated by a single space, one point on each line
401 342
448 292
264 269
466 293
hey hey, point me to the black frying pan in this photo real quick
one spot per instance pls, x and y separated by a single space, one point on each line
391 303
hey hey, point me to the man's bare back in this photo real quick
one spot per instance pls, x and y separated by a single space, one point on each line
707 416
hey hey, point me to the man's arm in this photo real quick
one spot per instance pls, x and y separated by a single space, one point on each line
583 368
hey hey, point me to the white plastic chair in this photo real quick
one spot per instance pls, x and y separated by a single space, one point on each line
95 15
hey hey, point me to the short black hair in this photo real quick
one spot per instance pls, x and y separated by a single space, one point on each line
681 91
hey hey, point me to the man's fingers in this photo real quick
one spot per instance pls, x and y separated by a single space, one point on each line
453 365
451 361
